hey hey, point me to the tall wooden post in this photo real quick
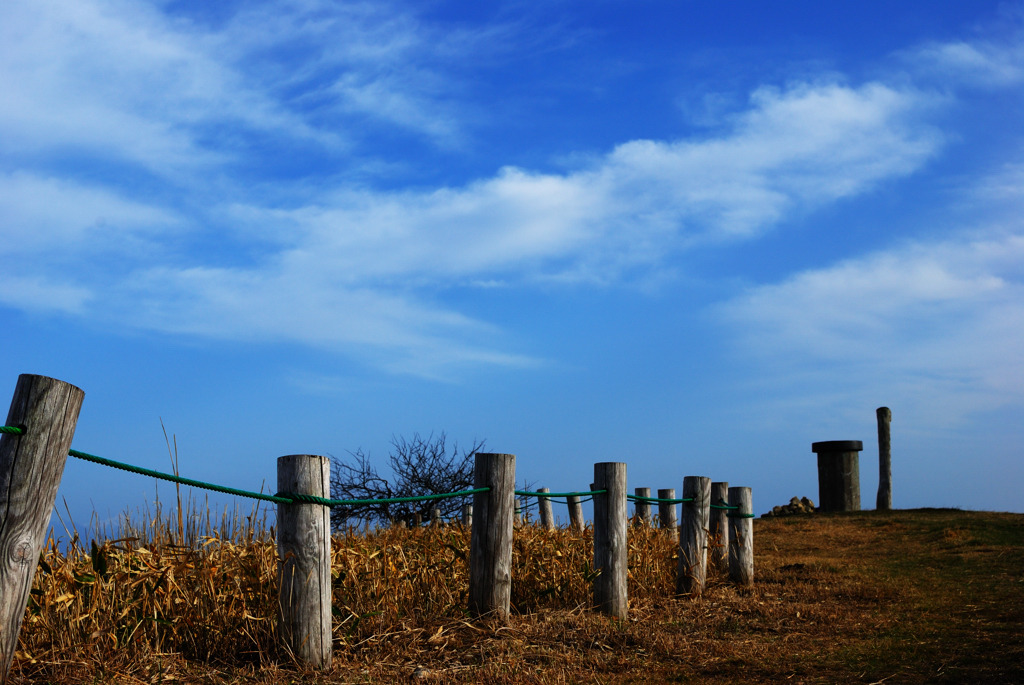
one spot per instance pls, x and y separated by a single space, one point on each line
547 519
610 544
719 528
667 513
741 537
31 466
693 536
575 513
884 500
490 548
304 560
641 509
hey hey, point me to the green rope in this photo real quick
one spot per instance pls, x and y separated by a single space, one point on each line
641 498
178 479
527 493
722 504
12 430
279 498
741 516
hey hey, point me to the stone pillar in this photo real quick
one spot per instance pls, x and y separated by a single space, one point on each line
838 474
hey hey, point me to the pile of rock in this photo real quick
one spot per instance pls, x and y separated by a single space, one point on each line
796 505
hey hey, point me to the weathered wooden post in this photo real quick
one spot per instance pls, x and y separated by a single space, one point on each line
575 513
610 544
693 536
435 517
31 466
490 548
741 537
642 508
304 560
547 519
719 528
467 515
667 513
838 474
884 499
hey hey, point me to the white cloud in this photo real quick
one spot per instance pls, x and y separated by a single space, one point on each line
981 63
57 216
920 325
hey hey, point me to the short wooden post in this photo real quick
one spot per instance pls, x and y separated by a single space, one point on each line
667 513
304 560
435 517
467 515
741 537
693 536
31 466
884 499
838 474
610 544
575 513
718 527
547 519
490 548
641 509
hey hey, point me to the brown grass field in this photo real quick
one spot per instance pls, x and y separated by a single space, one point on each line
916 596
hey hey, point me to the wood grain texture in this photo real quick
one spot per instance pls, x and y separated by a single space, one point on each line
304 560
490 549
31 467
883 502
667 513
642 510
575 513
718 527
693 536
547 518
741 537
611 519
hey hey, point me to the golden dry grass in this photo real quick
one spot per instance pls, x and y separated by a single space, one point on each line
905 597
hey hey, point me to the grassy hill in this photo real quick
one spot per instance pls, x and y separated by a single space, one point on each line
914 596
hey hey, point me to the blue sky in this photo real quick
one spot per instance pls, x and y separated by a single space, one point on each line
694 237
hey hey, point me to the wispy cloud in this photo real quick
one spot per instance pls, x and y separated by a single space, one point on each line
933 326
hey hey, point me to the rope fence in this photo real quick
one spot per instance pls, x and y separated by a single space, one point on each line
34 467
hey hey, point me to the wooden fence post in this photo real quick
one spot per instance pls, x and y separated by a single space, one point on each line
490 548
467 515
741 537
31 466
547 519
693 536
610 543
642 510
575 513
435 517
304 560
667 513
884 500
719 527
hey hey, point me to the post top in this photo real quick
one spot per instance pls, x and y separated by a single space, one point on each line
837 446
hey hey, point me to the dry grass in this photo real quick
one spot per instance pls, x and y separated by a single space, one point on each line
905 597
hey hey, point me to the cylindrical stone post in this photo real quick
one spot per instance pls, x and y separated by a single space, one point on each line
642 509
884 500
610 544
741 537
31 466
304 560
693 536
719 528
575 513
467 515
547 519
490 548
667 513
838 474
435 517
